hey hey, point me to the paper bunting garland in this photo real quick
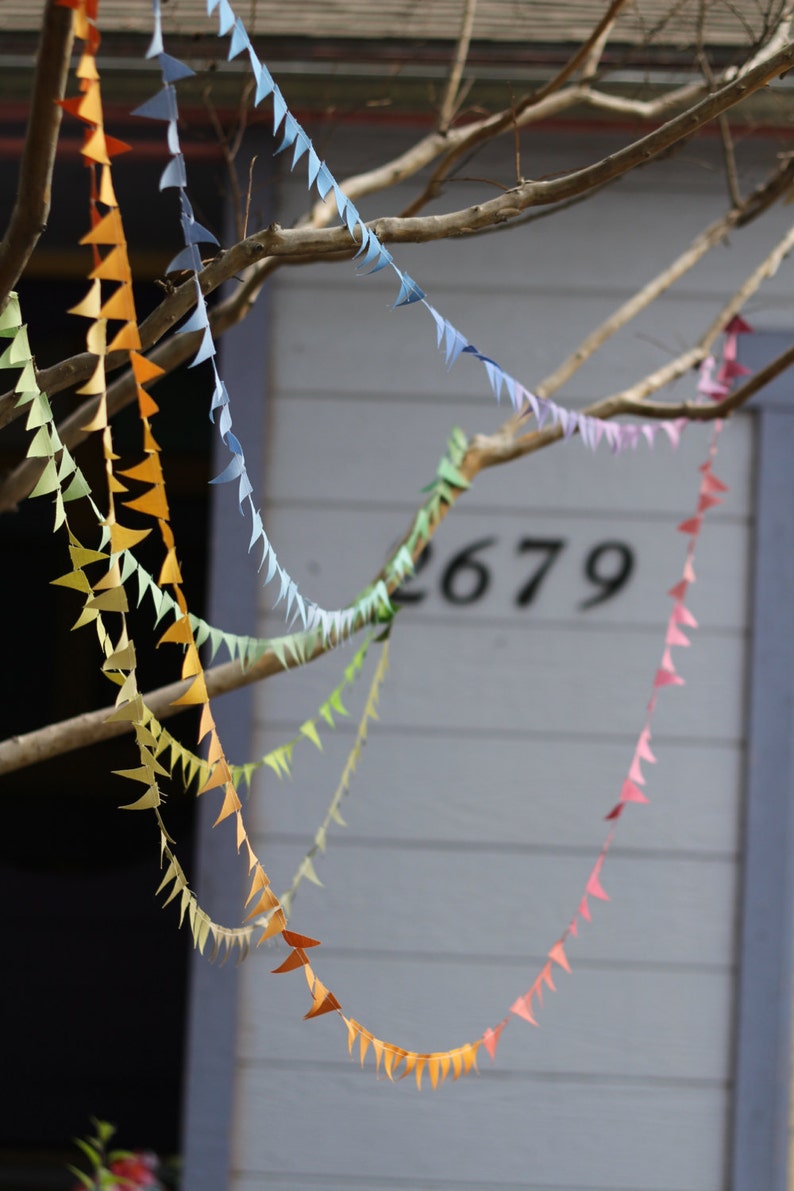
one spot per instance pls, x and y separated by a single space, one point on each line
305 869
528 1004
106 596
228 938
176 757
371 257
337 624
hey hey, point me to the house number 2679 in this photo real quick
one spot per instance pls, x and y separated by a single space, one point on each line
466 578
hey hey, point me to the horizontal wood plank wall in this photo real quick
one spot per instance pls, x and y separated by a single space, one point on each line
505 731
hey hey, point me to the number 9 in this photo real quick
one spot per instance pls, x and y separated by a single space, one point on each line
616 577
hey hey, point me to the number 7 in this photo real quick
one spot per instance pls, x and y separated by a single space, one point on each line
551 547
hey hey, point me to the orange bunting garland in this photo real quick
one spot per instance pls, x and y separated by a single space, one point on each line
107 595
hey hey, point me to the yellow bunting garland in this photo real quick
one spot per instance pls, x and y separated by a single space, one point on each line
107 595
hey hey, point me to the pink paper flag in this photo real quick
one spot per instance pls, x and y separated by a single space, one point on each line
667 678
573 928
689 571
675 636
594 886
635 773
643 746
584 909
558 955
712 484
616 812
667 661
737 326
673 430
546 977
630 793
679 591
712 388
490 1038
731 369
521 1009
682 615
691 525
708 502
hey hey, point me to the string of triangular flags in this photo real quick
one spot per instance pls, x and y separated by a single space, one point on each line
374 601
163 746
120 660
396 1060
195 769
107 596
438 1065
372 256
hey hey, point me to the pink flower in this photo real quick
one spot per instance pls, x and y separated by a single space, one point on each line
138 1170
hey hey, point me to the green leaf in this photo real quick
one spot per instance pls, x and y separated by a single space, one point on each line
93 1156
87 1182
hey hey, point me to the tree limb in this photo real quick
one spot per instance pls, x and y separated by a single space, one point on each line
32 206
484 451
756 203
312 240
450 101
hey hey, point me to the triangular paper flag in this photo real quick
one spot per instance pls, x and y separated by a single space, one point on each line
490 1038
109 230
558 955
127 338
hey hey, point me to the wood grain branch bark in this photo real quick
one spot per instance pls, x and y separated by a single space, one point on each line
310 240
484 451
32 206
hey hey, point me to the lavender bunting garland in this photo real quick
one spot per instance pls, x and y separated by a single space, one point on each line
370 258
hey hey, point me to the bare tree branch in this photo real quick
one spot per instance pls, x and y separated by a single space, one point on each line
316 241
484 451
731 175
451 98
582 55
32 206
758 202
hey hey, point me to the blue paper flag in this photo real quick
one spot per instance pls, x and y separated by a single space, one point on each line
172 69
174 173
239 40
264 86
279 109
231 471
226 17
161 106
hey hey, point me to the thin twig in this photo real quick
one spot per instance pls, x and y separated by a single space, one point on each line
228 158
312 240
248 195
484 451
451 98
731 175
758 202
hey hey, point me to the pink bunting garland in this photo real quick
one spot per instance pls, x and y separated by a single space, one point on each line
710 493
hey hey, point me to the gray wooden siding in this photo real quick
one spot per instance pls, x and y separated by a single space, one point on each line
505 735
